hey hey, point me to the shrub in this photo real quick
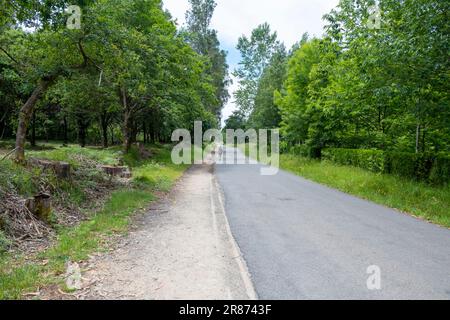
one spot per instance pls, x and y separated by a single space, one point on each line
306 151
300 150
402 164
426 167
440 172
372 160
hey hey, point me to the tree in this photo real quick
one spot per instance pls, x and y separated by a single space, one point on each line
127 68
365 87
256 52
266 114
236 121
204 41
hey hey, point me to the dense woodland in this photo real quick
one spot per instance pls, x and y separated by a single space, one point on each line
377 79
366 84
126 74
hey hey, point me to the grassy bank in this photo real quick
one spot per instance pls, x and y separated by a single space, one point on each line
20 273
412 197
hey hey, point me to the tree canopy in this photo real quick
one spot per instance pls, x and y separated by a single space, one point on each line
380 84
126 73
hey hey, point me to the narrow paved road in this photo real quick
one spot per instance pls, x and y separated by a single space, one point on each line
302 240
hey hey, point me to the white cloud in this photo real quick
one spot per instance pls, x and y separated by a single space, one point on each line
232 18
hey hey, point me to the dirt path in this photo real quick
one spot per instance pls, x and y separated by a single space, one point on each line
181 249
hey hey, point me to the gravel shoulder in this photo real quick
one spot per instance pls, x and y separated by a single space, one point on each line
181 248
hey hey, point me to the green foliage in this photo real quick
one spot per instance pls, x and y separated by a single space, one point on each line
15 177
403 164
372 160
422 167
302 151
366 88
75 155
72 245
265 114
127 74
256 52
75 244
440 172
14 281
204 41
236 121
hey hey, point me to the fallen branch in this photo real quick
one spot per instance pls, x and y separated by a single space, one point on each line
8 154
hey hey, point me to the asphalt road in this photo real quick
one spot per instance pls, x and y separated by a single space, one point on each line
302 240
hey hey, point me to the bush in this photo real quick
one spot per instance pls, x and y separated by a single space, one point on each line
402 164
440 172
306 151
426 167
411 165
372 160
300 150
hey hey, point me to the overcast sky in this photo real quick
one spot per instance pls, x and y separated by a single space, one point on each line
232 18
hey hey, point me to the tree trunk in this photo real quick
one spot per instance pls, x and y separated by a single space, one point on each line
424 133
66 138
133 132
3 122
127 123
152 133
3 132
112 135
33 129
24 119
105 136
104 125
418 138
82 133
144 129
127 131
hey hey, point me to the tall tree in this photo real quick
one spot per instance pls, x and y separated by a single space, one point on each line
256 53
205 42
266 113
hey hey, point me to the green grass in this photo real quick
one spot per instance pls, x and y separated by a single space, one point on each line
415 198
158 173
14 176
18 275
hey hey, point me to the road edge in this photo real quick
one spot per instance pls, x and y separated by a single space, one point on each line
240 261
